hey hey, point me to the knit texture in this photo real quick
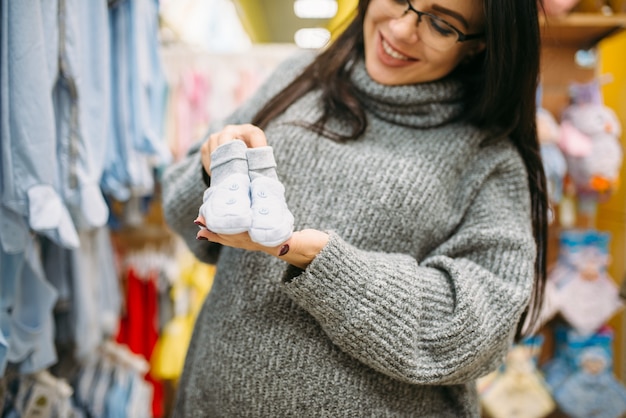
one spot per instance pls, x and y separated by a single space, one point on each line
418 292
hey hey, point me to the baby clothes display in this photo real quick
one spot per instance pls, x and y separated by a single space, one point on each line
110 384
40 395
194 281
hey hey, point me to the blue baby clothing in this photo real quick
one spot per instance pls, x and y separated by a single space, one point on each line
138 99
4 350
81 94
26 304
30 181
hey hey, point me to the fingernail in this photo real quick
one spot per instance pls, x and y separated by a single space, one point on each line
201 238
283 250
197 222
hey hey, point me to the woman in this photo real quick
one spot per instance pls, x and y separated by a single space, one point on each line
410 162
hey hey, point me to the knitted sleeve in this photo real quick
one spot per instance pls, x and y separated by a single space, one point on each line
445 319
182 182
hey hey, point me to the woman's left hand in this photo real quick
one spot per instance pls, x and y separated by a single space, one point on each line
299 250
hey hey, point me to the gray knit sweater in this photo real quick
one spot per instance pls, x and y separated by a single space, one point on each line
428 267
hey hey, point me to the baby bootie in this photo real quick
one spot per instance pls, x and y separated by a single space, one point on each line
272 222
226 204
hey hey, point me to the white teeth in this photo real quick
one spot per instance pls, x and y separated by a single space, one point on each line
392 52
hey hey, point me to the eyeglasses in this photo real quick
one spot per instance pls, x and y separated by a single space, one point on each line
436 33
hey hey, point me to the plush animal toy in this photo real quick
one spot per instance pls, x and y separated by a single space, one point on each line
590 141
554 163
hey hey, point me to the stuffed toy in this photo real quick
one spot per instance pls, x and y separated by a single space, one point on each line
554 163
580 374
580 288
517 389
590 141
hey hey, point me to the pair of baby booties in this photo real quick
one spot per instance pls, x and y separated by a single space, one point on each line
246 195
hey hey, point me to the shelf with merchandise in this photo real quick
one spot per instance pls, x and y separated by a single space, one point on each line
580 30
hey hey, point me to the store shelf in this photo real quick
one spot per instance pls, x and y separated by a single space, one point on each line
580 30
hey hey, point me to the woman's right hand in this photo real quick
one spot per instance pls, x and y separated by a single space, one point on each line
253 137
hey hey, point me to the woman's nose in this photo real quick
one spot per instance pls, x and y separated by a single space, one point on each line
406 27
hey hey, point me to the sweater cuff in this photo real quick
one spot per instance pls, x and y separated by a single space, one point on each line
329 254
291 273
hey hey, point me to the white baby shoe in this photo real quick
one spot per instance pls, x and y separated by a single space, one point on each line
226 207
272 222
226 204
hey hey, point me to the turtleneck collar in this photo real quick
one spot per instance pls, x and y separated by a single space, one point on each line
422 105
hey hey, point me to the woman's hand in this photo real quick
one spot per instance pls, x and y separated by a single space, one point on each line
299 250
250 134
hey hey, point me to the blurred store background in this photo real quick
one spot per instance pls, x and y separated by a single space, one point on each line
117 292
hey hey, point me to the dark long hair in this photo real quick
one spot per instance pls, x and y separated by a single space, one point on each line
500 85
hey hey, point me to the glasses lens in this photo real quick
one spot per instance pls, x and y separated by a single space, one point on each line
434 32
437 33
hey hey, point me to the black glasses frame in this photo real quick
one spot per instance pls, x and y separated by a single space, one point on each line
462 36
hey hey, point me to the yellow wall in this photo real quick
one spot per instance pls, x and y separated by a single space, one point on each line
345 11
612 214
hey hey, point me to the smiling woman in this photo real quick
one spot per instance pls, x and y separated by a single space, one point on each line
407 154
404 45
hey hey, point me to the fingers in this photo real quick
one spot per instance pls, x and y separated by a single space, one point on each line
205 156
251 135
206 235
241 240
200 221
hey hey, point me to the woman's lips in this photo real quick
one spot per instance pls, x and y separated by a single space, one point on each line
391 56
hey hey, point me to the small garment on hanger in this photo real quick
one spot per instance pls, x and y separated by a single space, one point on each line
27 300
168 357
40 395
139 326
194 281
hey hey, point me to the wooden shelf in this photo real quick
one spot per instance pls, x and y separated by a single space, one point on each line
580 30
